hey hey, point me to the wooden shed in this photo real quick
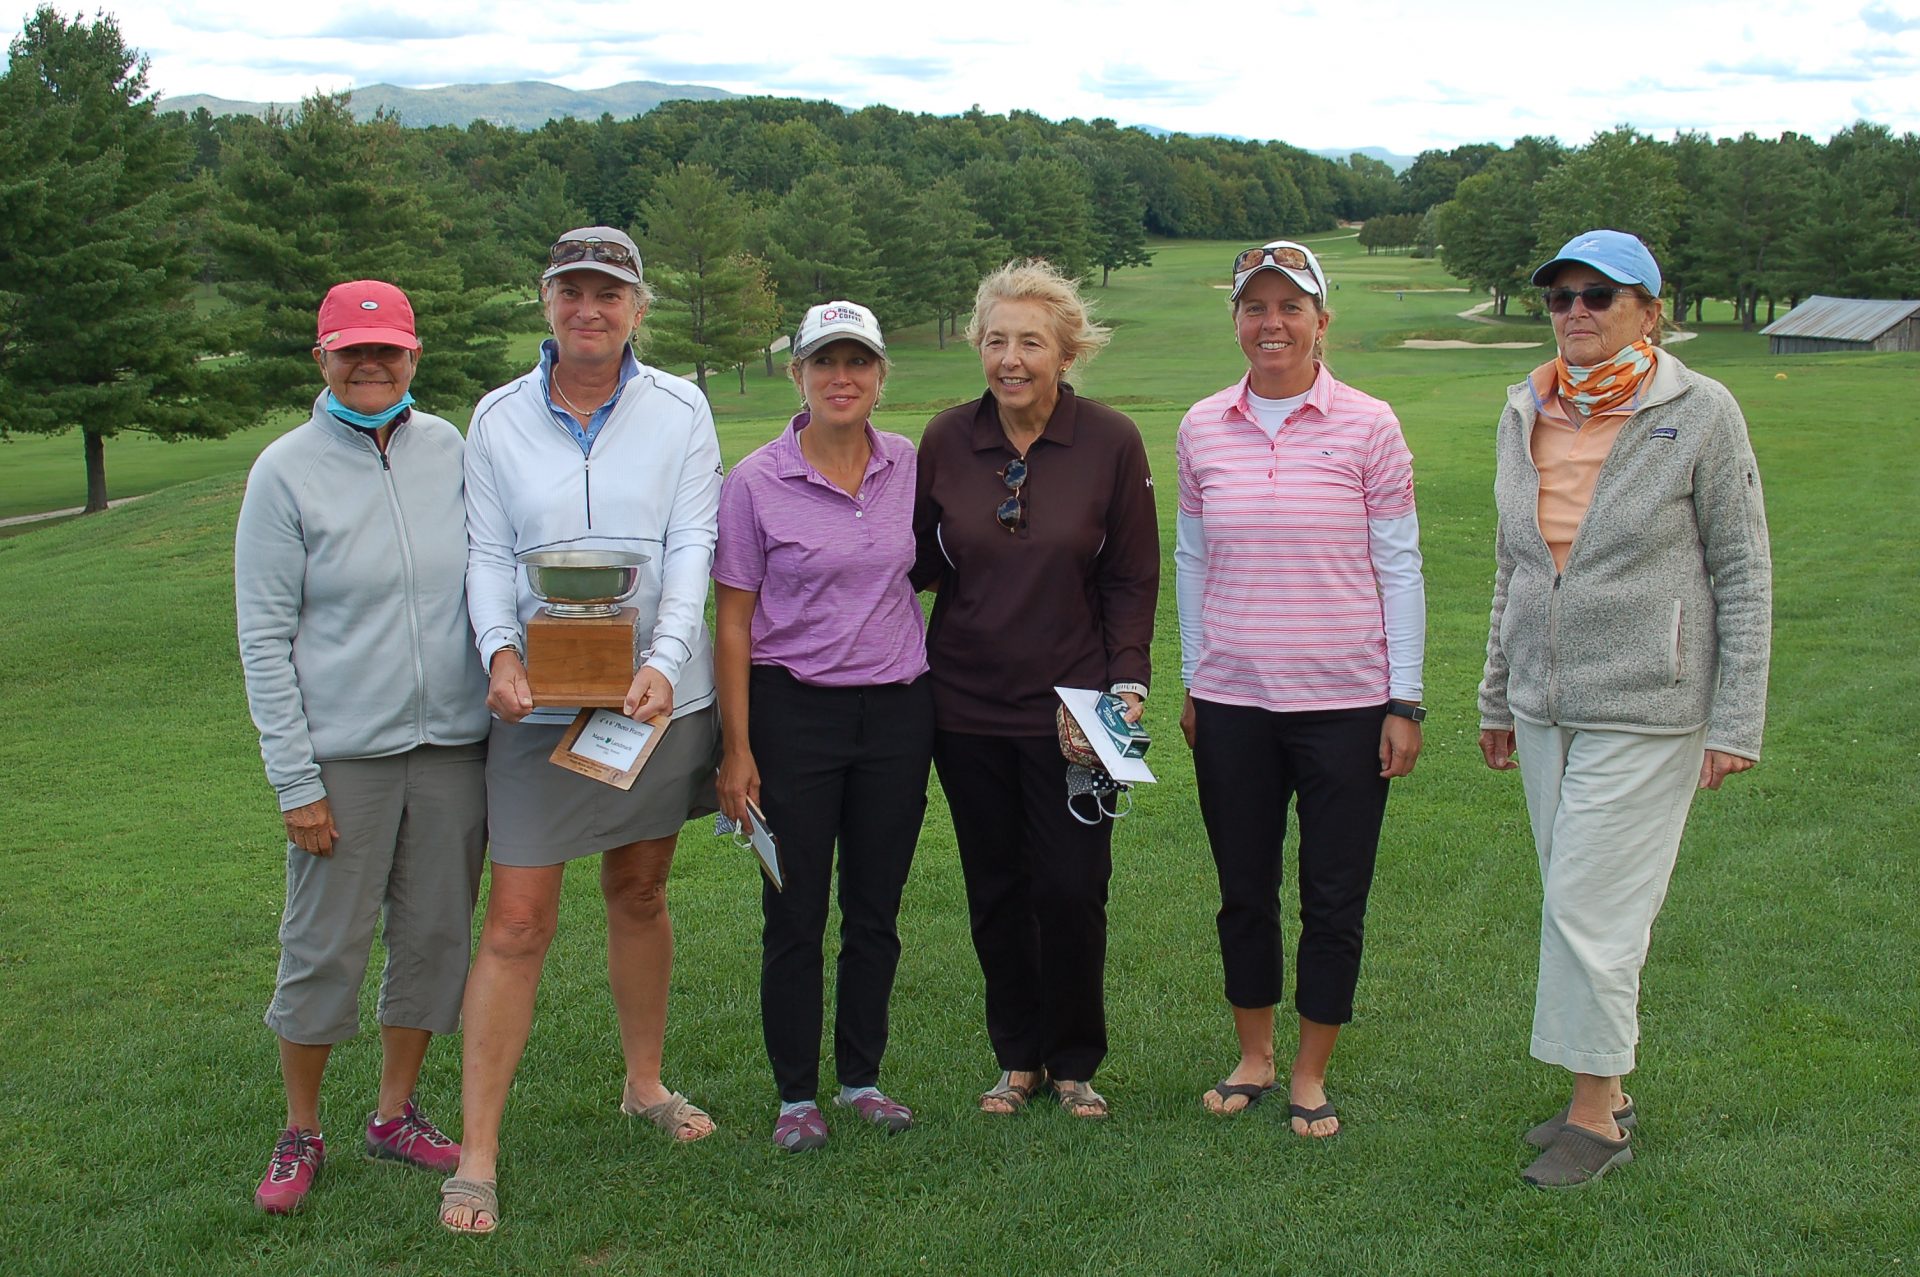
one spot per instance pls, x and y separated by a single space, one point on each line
1820 324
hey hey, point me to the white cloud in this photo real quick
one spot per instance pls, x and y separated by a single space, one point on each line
1400 75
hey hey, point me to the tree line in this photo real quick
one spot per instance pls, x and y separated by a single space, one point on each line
1749 220
159 271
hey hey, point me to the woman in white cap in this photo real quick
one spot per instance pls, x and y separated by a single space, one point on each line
1302 634
826 709
1627 655
590 450
349 569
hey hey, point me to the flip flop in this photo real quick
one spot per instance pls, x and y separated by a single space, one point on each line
1542 1135
1013 1095
1251 1092
1310 1116
671 1115
481 1196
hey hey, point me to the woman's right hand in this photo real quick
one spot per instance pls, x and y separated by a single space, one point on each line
507 692
1187 719
1496 746
311 827
738 783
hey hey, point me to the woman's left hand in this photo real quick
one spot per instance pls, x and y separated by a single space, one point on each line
1399 746
1716 767
1135 706
649 696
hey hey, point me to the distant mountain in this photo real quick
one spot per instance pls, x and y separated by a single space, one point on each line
1398 163
526 104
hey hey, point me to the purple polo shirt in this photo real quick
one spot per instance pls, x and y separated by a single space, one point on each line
835 607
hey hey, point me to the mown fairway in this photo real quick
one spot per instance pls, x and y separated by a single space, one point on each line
1779 1087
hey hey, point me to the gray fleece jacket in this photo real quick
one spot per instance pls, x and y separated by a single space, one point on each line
349 575
1663 617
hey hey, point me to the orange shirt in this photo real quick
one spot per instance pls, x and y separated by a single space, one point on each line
1568 451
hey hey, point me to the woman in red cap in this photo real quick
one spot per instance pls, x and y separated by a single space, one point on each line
349 584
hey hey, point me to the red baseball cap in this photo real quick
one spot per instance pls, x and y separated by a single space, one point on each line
366 312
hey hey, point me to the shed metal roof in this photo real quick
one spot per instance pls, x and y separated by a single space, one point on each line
1841 318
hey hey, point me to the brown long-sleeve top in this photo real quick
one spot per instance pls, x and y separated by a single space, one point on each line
1067 600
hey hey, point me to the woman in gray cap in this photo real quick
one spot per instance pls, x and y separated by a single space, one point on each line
1626 655
348 569
590 450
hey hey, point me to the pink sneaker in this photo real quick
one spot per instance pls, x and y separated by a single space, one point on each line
412 1139
297 1158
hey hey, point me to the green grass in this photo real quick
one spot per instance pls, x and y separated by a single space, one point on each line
143 880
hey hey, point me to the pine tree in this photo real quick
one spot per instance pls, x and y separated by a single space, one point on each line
713 309
1119 213
315 198
97 258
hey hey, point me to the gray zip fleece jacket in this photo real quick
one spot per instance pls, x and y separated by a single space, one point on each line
1663 617
349 575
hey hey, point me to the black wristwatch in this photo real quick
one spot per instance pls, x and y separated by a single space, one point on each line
1407 709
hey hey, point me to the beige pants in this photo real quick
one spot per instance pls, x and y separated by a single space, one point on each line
1607 809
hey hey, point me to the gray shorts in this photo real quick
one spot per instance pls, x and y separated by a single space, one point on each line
543 814
413 837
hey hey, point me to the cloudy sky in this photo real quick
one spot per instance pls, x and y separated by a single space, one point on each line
1316 73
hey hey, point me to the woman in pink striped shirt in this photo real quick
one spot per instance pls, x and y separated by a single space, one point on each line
1302 629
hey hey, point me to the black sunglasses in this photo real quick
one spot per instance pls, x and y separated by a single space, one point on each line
591 250
1593 297
1012 513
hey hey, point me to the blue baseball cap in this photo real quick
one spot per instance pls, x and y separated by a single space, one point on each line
1619 256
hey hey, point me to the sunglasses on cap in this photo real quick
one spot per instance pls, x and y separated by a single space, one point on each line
1593 297
1286 258
568 251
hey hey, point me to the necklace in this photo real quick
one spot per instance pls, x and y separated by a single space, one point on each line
578 411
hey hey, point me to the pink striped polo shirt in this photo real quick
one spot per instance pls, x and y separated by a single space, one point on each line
835 608
1290 612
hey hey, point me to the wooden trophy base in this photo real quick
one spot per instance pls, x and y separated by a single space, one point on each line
585 661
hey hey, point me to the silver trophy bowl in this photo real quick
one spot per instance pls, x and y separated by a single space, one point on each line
583 583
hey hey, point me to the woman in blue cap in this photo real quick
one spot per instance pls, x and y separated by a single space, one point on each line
1626 655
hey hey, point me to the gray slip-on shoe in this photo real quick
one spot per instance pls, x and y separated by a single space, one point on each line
1577 1156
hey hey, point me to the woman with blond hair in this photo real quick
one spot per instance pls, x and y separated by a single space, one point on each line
1036 529
533 484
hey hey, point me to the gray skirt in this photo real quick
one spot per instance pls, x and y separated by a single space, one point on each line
539 813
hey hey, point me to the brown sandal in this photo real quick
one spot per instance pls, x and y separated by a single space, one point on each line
1081 1100
479 1196
1011 1093
672 1115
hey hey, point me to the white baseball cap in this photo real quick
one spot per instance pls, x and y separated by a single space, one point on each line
1295 261
834 320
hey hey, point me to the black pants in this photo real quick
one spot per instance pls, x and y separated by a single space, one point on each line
1036 896
1248 764
845 763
